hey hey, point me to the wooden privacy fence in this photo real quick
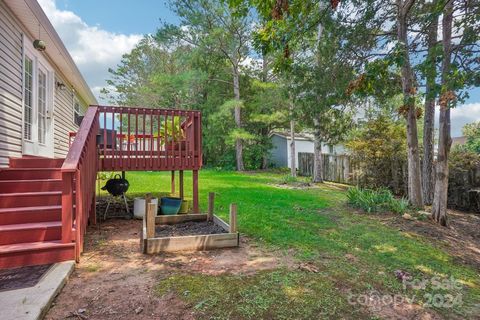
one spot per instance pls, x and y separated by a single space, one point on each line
336 168
463 188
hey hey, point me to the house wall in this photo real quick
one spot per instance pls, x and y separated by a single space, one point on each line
278 153
11 94
63 117
10 87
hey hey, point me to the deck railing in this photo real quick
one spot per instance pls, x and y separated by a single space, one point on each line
149 139
79 171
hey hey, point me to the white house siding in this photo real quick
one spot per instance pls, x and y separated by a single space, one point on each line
10 87
11 96
63 117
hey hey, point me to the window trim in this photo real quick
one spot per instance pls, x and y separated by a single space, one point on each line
76 113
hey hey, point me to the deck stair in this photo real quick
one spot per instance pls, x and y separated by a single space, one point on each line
30 213
46 204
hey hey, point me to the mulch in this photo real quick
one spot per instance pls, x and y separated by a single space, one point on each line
190 228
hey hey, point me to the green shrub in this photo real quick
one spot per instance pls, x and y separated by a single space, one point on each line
372 201
288 179
399 206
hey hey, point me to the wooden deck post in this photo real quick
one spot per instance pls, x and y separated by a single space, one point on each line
180 178
148 199
93 210
150 214
233 218
67 207
196 208
211 206
172 190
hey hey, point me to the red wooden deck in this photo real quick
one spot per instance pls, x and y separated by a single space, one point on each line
46 204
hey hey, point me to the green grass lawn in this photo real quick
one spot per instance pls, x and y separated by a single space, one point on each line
318 228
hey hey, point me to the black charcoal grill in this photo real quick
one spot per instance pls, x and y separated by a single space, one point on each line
117 187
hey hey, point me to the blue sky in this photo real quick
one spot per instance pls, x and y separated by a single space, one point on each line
120 16
98 32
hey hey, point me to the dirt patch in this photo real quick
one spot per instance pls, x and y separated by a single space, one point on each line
117 208
463 232
294 185
189 228
114 280
397 308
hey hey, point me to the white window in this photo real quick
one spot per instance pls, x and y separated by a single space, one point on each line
42 106
77 112
28 98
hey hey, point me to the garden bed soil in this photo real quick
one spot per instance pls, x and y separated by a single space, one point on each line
189 228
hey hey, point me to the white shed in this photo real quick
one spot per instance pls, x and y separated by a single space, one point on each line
280 152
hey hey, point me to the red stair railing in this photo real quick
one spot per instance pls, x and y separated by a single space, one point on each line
79 172
130 139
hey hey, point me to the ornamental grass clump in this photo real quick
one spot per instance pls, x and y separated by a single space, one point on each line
376 201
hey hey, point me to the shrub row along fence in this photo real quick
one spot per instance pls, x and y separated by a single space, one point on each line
463 191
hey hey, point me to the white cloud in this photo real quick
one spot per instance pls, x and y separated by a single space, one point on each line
462 115
93 49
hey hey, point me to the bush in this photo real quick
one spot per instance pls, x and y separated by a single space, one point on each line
288 179
380 200
378 153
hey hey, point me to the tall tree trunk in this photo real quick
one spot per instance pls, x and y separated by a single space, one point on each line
415 194
265 156
429 118
439 207
265 79
293 162
238 119
317 154
317 139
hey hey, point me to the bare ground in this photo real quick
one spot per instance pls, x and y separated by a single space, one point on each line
462 232
116 281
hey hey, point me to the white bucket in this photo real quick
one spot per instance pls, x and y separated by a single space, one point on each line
139 207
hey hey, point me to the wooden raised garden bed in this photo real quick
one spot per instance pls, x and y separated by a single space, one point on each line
170 233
